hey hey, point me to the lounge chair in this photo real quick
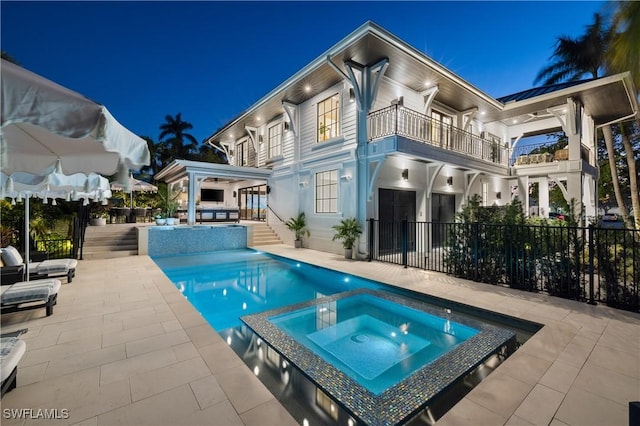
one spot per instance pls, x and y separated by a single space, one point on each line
44 269
28 295
11 351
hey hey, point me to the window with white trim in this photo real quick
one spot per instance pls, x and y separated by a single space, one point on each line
329 118
242 153
274 140
327 192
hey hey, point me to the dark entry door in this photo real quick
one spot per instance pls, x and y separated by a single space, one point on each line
443 210
394 205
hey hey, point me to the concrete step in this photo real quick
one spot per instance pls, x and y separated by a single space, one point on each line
108 254
112 240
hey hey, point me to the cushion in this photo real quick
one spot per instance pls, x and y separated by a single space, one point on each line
53 266
11 351
30 291
14 296
11 257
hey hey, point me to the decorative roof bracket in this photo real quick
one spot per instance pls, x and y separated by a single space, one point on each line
429 95
291 110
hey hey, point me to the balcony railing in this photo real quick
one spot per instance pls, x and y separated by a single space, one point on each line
401 121
545 153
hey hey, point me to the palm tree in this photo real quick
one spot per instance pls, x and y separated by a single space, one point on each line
624 50
624 55
177 129
573 58
586 55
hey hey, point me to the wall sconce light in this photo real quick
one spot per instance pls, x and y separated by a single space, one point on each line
450 180
286 126
398 101
498 195
304 184
260 138
235 194
346 177
405 175
352 95
268 189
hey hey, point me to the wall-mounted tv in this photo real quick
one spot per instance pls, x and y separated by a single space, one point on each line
207 194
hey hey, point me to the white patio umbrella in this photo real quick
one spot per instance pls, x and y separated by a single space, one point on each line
23 186
134 185
44 124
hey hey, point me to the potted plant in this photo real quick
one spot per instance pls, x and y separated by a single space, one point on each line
160 220
168 203
299 226
347 231
98 214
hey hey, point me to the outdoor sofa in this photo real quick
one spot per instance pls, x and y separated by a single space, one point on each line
12 260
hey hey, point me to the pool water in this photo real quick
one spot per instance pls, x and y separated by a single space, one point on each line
225 285
376 342
239 293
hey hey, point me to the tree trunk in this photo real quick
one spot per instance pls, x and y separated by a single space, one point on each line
608 140
633 176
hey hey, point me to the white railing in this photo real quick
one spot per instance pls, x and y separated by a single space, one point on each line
401 121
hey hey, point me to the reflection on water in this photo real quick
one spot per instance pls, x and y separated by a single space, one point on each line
234 283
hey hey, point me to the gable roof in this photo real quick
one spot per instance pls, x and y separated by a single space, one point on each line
606 99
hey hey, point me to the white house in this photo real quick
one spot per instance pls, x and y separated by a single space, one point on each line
373 128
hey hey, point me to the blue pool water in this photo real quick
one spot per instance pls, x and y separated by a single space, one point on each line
374 341
321 335
225 285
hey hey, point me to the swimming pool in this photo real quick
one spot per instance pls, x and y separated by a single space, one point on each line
225 286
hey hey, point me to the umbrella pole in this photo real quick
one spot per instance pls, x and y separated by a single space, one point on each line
26 231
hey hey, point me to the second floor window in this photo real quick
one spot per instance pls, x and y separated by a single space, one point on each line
327 192
242 153
274 141
328 118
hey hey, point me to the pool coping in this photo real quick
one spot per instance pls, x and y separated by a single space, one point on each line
401 401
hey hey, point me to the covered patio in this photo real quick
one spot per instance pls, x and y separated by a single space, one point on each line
217 191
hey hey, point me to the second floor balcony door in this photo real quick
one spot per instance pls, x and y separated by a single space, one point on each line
441 129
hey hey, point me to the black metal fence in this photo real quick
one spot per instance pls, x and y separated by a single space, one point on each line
590 264
61 248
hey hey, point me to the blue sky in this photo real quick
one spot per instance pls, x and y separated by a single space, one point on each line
212 60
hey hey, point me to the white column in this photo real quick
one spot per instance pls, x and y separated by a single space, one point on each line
191 199
543 198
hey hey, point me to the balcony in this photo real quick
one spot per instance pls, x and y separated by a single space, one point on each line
397 120
545 153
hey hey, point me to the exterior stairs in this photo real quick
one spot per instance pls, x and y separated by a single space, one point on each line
264 235
112 240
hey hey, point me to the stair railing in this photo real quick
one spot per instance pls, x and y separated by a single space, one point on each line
276 214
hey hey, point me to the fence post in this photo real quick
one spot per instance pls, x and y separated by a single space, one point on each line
591 260
405 236
474 237
370 240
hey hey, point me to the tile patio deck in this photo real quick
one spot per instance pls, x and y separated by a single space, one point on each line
124 347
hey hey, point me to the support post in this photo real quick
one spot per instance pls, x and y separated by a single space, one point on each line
405 237
591 260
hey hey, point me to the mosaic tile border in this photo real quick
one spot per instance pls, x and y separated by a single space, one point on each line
403 400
